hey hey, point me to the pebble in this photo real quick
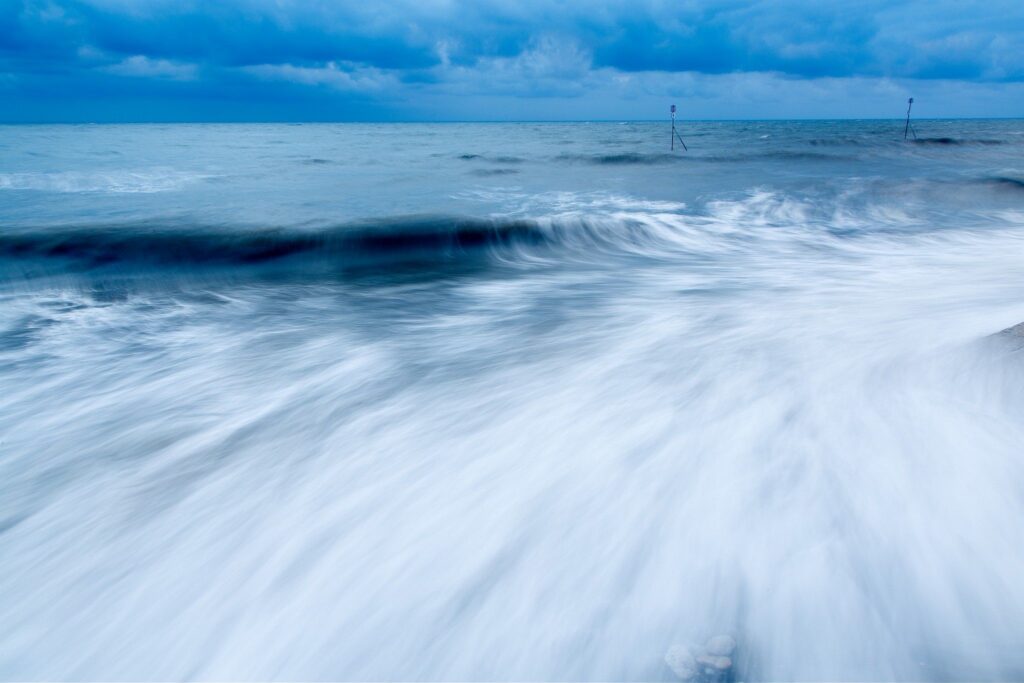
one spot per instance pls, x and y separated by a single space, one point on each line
714 662
681 660
721 646
697 664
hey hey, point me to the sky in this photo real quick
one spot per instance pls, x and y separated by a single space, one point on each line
470 60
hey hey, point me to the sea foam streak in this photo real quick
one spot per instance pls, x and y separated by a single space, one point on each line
568 433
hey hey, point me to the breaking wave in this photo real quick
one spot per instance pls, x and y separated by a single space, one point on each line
571 228
376 243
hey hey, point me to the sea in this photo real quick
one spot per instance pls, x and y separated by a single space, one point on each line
523 401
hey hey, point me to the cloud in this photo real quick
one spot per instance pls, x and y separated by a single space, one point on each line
379 59
341 77
140 66
546 67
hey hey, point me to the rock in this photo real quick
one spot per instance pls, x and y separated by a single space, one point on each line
721 646
681 660
1015 331
1011 338
714 663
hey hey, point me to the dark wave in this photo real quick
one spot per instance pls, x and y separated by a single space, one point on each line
1006 182
883 140
841 142
681 156
624 158
773 155
497 159
955 141
487 172
797 156
422 240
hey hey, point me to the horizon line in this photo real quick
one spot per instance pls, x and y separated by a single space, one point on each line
488 121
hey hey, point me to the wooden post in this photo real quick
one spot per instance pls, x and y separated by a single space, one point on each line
672 139
674 133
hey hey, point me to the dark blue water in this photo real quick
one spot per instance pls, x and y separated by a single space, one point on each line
510 401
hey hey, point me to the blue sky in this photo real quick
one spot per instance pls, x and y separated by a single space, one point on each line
251 60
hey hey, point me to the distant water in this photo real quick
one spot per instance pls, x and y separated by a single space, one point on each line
524 401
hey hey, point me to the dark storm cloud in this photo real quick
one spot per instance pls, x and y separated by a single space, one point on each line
387 52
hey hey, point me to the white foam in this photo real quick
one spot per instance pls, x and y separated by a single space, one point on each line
778 433
114 181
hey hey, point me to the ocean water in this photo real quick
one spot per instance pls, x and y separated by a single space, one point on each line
511 401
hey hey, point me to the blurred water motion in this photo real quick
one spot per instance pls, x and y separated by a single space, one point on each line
512 402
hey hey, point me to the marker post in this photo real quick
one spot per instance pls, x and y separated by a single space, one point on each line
908 127
675 135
